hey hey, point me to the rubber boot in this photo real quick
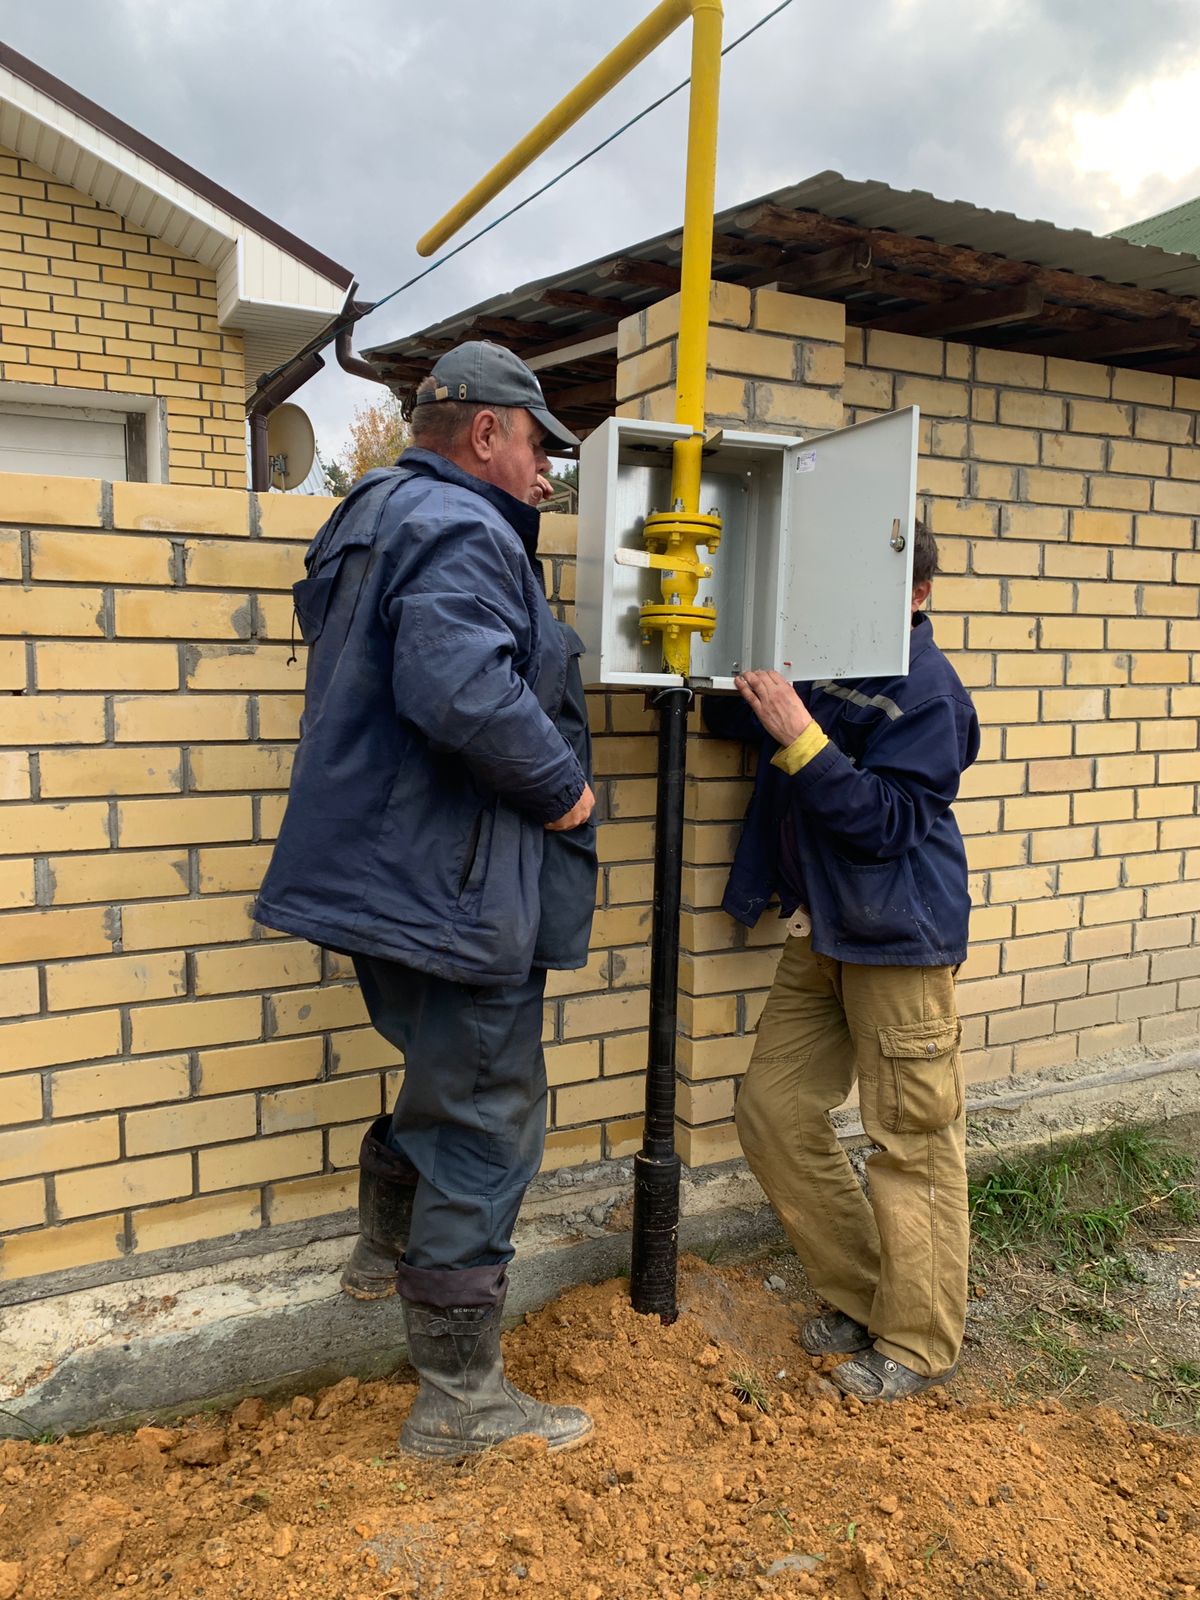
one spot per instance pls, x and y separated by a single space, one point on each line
465 1404
386 1183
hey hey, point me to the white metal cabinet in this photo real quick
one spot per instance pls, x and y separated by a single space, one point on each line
814 568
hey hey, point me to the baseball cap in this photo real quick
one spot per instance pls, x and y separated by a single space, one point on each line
486 374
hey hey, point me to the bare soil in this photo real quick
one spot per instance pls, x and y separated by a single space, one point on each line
723 1463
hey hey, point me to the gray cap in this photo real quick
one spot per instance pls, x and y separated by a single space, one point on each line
485 374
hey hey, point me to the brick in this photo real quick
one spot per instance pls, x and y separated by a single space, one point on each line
22 1099
155 507
1104 977
1029 1022
336 1005
293 516
30 829
76 1091
1027 410
244 766
277 963
10 555
313 1197
1102 527
190 1125
260 1161
593 1102
22 1205
194 1022
243 666
320 1104
1010 369
185 820
1040 950
111 772
74 985
50 501
124 1184
356 1049
789 406
59 1147
107 665
104 558
1070 450
57 1249
14 673
279 715
141 719
227 868
117 875
166 1227
213 920
243 565
36 612
46 719
652 369
800 317
42 935
259 1066
1016 445
182 614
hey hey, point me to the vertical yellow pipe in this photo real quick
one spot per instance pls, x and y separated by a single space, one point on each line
696 269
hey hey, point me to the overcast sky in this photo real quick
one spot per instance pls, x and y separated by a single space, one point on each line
357 124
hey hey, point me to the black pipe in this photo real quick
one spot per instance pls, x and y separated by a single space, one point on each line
656 1168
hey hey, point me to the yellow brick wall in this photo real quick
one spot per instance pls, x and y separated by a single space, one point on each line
170 1072
1065 499
174 1074
89 303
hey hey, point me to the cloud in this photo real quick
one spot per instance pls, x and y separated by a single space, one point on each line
357 125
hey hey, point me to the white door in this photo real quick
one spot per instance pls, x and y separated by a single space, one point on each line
846 579
62 440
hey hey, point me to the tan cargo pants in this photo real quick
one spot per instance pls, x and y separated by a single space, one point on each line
897 1262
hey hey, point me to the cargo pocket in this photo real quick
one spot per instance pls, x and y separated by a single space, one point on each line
920 1075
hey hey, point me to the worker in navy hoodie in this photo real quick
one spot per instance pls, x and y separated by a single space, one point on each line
438 830
850 824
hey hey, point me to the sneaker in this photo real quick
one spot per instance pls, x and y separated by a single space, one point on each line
834 1334
874 1376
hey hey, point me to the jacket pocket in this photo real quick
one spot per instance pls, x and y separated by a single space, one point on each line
477 853
875 900
920 1087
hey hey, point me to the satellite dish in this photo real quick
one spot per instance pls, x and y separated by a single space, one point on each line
291 446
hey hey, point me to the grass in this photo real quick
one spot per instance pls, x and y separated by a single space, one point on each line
1061 1360
749 1388
1178 1390
1077 1202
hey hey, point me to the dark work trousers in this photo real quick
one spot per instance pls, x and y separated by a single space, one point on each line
470 1117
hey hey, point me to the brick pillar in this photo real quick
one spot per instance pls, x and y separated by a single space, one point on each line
776 363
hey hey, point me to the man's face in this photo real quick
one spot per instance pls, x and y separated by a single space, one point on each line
516 462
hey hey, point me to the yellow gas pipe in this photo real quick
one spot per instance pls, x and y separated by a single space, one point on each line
671 537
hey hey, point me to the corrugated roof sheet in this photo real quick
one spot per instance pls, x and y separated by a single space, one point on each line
1176 229
910 212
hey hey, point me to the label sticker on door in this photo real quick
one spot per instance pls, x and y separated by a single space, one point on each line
806 461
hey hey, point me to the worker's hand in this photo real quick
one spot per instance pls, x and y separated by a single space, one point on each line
579 812
776 705
543 489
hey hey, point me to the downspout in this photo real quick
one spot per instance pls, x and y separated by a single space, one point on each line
273 390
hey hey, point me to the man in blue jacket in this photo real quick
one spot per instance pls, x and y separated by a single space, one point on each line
850 824
438 830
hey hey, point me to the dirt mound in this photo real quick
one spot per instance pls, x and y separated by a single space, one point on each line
723 1463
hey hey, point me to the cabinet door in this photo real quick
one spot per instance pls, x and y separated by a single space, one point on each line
848 502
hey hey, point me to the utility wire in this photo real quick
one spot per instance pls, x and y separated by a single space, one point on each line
325 338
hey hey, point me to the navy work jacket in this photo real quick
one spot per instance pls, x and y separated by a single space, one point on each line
863 836
430 752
